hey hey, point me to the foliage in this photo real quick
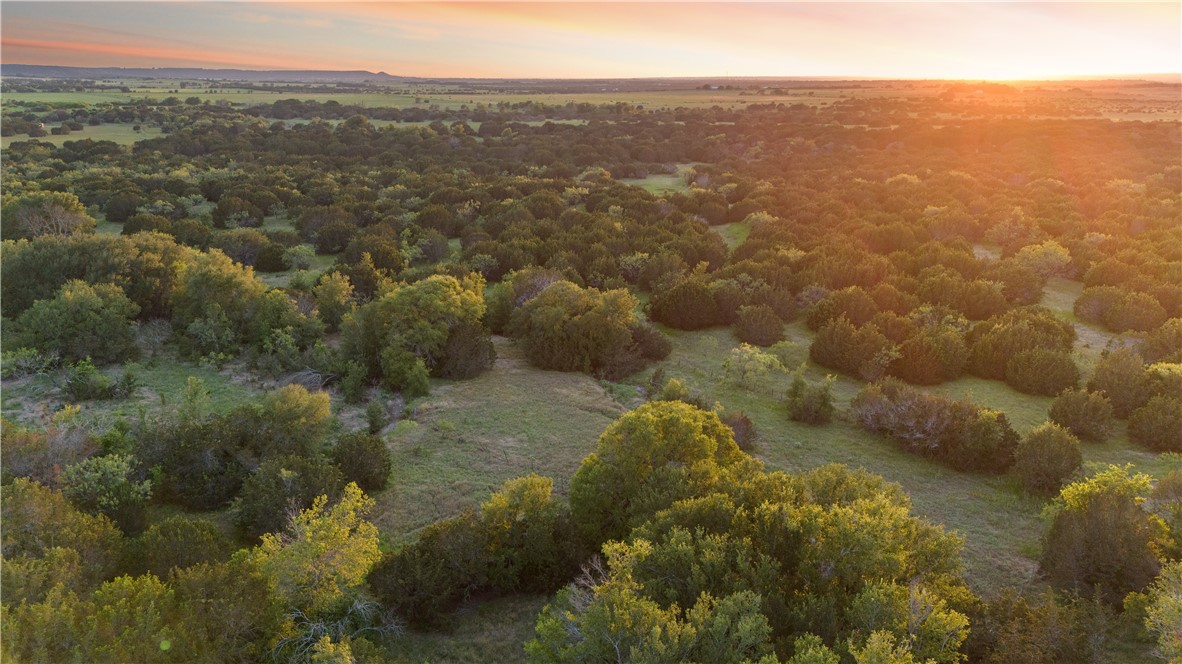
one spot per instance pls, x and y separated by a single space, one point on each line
957 433
1158 424
1085 414
178 542
41 213
858 351
1164 613
41 454
759 325
282 487
1047 458
568 328
106 485
81 321
649 458
829 551
403 335
365 459
1042 371
1120 376
811 404
522 540
324 554
1100 539
747 365
1043 628
38 520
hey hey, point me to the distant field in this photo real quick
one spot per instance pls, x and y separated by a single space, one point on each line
122 134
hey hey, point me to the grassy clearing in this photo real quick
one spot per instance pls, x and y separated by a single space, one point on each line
32 401
733 234
123 134
320 264
490 631
470 436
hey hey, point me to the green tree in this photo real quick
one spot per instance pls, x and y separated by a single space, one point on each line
81 321
1164 613
281 486
1100 539
811 404
334 299
747 365
178 542
41 213
105 485
1158 424
1120 376
646 460
324 554
365 459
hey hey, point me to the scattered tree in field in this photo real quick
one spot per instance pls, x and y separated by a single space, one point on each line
1047 458
811 404
747 365
403 336
957 433
759 325
1042 371
568 328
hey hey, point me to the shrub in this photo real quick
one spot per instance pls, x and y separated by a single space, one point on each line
958 433
376 418
1085 414
858 351
933 355
365 459
1100 540
178 542
759 325
1158 424
1042 371
741 427
24 362
281 488
1120 375
1047 458
40 455
426 579
811 404
83 382
105 485
81 321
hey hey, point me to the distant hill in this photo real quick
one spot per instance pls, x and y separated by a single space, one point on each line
278 76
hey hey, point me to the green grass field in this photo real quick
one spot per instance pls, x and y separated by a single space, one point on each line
123 134
468 437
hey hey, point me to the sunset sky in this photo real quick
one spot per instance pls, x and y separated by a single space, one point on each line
608 39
